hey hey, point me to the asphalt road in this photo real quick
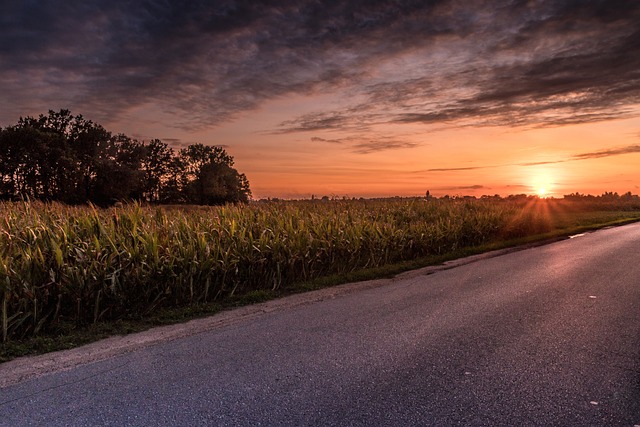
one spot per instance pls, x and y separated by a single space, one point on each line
543 336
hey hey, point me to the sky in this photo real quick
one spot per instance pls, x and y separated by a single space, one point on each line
359 98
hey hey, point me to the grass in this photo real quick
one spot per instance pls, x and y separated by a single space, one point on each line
71 275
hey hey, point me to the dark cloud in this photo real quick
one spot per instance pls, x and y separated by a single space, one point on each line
543 64
629 149
606 153
470 168
462 188
550 162
315 122
332 141
367 145
372 146
509 62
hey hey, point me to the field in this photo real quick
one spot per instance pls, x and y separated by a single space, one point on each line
64 268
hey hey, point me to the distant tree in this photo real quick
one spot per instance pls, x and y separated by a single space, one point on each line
609 196
209 178
157 167
68 158
118 172
573 196
628 197
54 156
196 156
172 189
86 144
18 149
36 158
219 183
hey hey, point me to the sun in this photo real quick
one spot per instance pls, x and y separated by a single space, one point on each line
542 182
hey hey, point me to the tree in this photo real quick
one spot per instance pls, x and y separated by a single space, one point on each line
219 183
172 189
118 172
34 161
209 178
68 158
53 157
157 167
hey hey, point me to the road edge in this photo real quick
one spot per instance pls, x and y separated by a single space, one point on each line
28 367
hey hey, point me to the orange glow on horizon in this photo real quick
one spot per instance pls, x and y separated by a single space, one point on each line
454 161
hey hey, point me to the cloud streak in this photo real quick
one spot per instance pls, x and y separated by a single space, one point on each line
629 149
607 153
469 168
367 145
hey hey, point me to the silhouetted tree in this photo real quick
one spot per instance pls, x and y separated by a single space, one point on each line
172 189
118 172
219 183
68 158
209 178
157 168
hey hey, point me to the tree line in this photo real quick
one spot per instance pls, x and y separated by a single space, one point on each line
70 159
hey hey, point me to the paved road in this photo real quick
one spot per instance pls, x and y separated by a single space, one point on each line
544 336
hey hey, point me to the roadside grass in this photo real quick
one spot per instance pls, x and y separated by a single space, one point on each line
69 333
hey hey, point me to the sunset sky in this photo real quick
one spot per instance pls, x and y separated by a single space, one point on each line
357 98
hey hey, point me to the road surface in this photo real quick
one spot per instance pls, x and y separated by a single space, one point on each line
543 336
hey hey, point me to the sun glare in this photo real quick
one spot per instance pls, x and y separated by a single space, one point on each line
542 183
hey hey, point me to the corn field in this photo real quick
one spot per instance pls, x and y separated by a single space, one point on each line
83 265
